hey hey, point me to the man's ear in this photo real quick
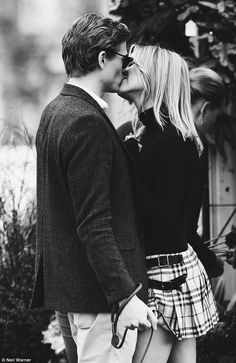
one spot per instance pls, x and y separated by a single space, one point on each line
102 58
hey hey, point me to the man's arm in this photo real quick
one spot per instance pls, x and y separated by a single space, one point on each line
87 152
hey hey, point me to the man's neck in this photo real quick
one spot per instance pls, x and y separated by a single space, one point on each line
89 82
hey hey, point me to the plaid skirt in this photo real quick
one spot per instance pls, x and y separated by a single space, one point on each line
188 313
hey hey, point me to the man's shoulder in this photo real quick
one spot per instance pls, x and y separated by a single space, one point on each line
70 103
69 109
67 118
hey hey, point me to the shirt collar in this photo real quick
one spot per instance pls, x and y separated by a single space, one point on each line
74 81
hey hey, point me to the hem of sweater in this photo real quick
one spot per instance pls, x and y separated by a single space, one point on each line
167 251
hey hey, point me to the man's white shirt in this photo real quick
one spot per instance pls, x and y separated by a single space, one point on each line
99 100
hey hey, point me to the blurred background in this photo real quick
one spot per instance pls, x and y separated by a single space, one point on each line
31 74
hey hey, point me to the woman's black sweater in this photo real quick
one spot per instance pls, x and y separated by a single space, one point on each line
168 168
207 257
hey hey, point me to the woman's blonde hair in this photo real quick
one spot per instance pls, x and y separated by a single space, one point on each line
165 78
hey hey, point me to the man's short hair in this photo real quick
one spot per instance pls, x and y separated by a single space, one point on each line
86 38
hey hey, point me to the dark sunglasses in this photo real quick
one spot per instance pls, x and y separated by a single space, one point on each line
126 60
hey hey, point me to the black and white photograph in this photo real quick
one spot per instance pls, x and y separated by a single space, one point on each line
118 181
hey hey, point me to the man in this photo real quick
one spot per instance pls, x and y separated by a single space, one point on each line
89 255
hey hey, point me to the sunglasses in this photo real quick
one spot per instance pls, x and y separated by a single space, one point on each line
126 60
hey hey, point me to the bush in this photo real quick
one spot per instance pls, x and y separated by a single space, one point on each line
20 328
218 346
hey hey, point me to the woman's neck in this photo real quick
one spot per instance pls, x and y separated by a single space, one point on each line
141 108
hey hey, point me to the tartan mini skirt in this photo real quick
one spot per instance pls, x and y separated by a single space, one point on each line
190 312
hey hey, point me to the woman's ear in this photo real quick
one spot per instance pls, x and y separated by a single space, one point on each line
204 108
102 58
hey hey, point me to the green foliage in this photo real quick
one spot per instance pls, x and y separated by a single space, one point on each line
17 259
218 346
163 22
20 327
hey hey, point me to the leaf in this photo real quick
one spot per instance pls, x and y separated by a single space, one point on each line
221 6
194 9
231 48
184 15
209 5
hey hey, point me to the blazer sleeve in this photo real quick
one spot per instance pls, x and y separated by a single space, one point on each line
87 152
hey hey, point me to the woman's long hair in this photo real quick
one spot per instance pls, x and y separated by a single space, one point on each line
165 78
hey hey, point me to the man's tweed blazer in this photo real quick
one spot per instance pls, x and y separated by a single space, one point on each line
89 253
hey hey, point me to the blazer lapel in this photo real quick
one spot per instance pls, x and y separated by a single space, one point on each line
71 90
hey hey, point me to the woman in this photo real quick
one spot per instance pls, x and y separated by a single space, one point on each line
207 99
180 294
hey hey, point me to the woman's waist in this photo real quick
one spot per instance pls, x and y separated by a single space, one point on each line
165 244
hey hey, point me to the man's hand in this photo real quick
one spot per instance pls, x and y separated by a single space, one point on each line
136 314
